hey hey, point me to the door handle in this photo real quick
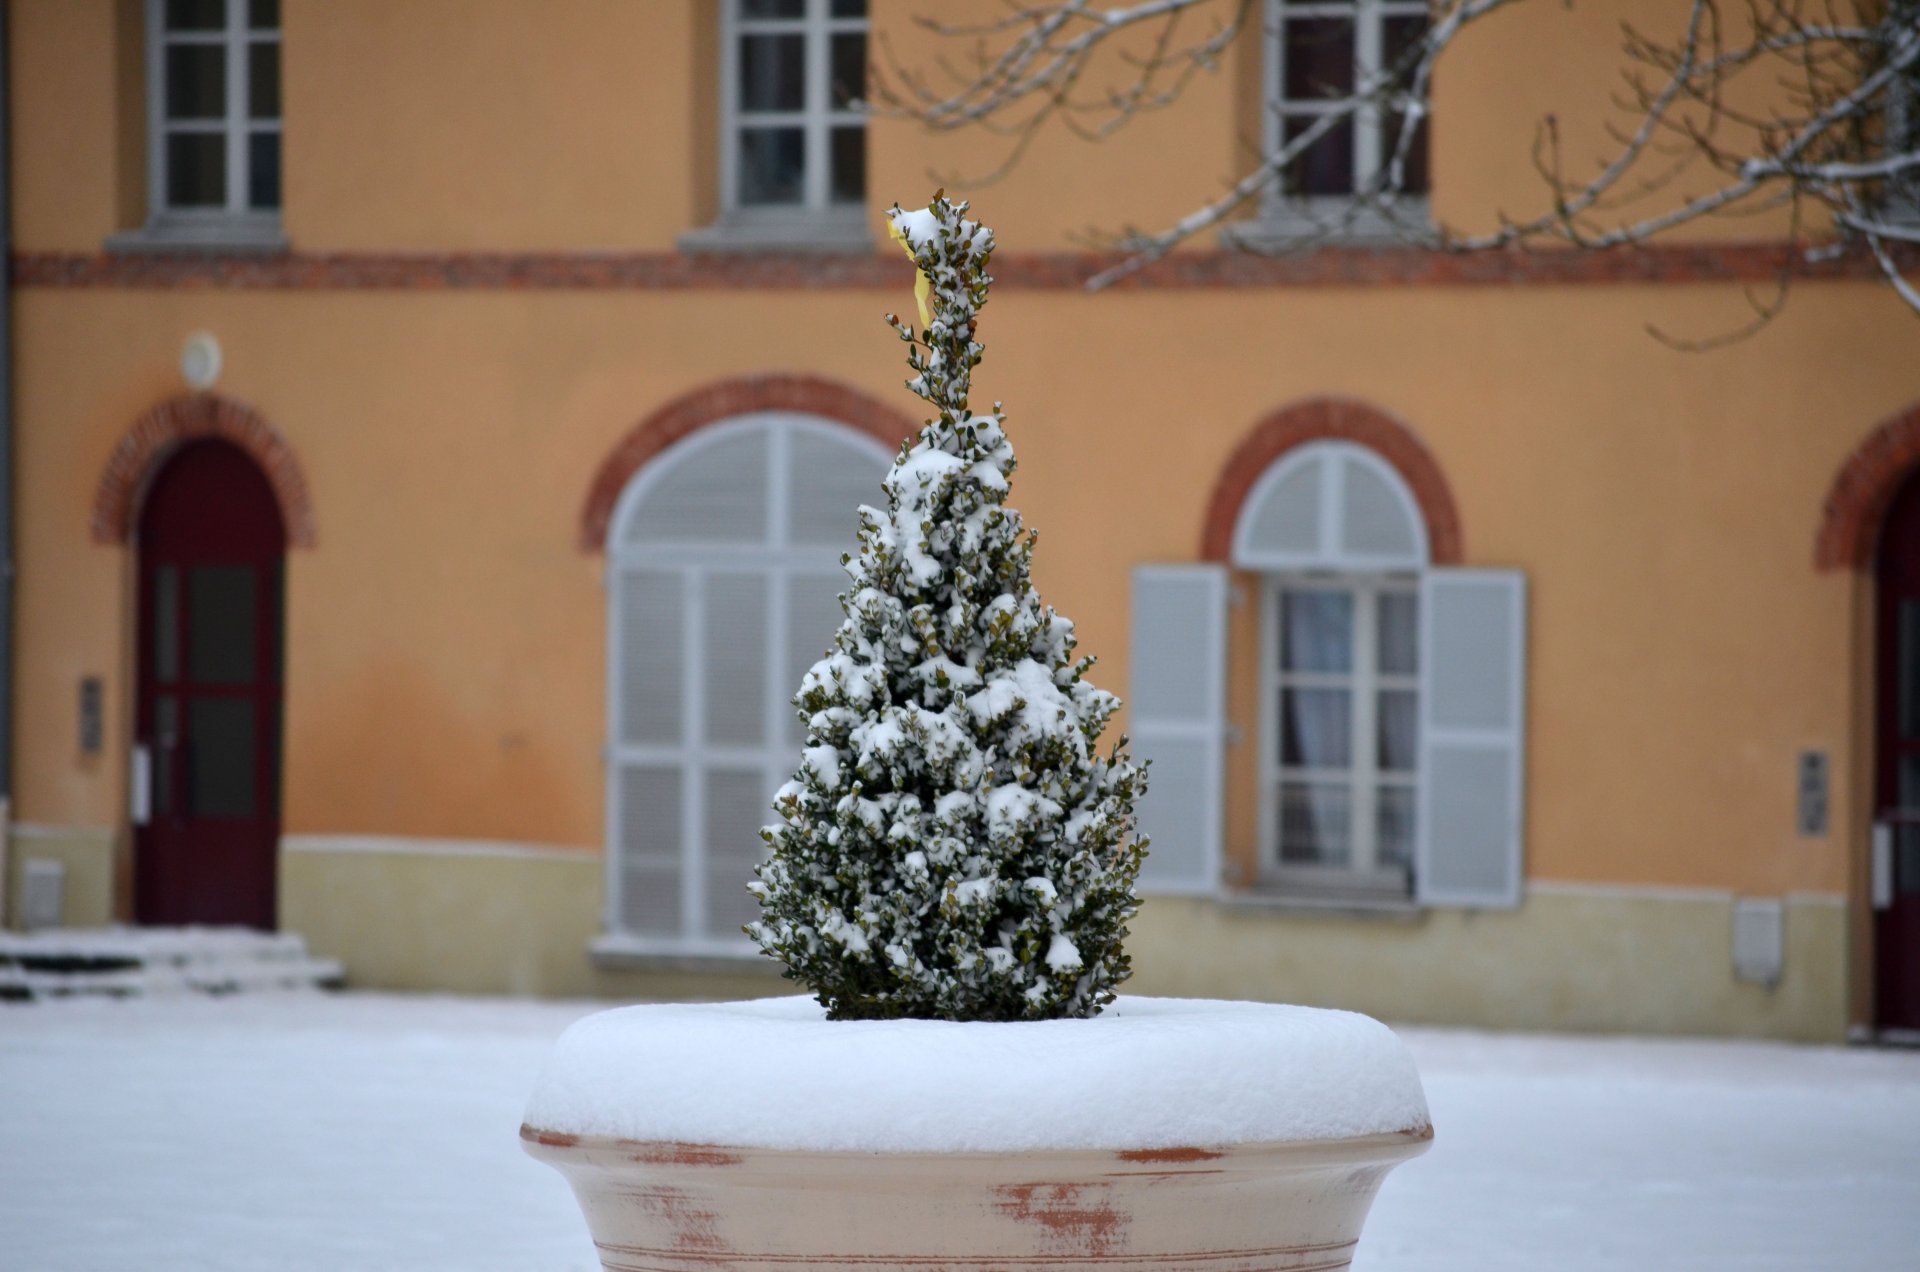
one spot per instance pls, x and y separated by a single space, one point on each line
1882 866
140 785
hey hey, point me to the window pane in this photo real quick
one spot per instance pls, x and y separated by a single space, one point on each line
849 69
196 15
263 170
166 624
196 81
1319 58
1398 35
1414 178
166 737
263 79
773 72
1326 166
1908 673
733 659
849 8
1399 633
1315 824
738 805
220 759
771 161
263 15
1316 728
850 165
653 660
1398 731
1393 824
773 8
1316 631
221 624
197 170
1906 841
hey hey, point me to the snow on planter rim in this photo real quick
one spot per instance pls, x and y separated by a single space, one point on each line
1145 1073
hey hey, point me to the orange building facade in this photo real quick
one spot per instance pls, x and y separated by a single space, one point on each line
1501 664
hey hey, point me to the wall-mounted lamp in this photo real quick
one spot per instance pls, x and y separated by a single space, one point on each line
200 360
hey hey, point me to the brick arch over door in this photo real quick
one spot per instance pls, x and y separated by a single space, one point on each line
725 400
190 417
1863 489
1333 419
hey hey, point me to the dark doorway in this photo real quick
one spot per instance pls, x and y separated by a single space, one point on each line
1896 917
212 547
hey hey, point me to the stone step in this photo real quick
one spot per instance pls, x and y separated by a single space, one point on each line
130 962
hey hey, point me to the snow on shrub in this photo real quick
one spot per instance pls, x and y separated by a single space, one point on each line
951 846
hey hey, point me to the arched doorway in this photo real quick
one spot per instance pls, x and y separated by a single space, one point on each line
1896 885
212 545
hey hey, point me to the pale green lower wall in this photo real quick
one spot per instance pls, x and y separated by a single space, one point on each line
87 852
1615 960
488 922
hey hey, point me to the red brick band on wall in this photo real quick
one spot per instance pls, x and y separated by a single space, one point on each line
1864 489
725 400
1333 419
1332 266
192 416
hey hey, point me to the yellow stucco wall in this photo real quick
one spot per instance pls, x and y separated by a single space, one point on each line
446 638
1664 507
491 124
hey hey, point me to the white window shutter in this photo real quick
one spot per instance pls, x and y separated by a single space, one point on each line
1473 641
1177 714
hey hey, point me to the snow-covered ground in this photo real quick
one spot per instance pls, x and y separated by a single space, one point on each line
357 1133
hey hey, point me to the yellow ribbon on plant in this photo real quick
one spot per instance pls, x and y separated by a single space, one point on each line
922 285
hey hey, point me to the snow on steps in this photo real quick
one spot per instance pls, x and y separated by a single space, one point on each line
129 962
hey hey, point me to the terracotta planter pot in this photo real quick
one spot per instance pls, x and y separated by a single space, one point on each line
1288 1207
930 1160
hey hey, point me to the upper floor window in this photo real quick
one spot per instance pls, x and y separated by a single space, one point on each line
213 110
1320 54
793 140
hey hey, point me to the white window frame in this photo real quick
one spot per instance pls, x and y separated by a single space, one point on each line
237 226
1362 776
1328 554
779 559
1329 565
816 223
1283 216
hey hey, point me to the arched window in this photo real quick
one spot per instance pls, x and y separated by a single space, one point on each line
724 569
1389 700
1338 541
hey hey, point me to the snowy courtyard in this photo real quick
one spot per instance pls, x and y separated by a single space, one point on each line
363 1132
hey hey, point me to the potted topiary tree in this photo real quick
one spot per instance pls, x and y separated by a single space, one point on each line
951 877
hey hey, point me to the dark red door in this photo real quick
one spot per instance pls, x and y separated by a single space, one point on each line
208 712
1896 922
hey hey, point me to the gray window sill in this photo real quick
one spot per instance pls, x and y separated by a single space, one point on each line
615 952
1293 224
798 231
253 234
1324 905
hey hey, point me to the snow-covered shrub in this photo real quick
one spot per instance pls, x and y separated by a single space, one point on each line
952 847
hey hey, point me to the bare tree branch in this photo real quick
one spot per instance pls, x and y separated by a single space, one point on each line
1812 106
